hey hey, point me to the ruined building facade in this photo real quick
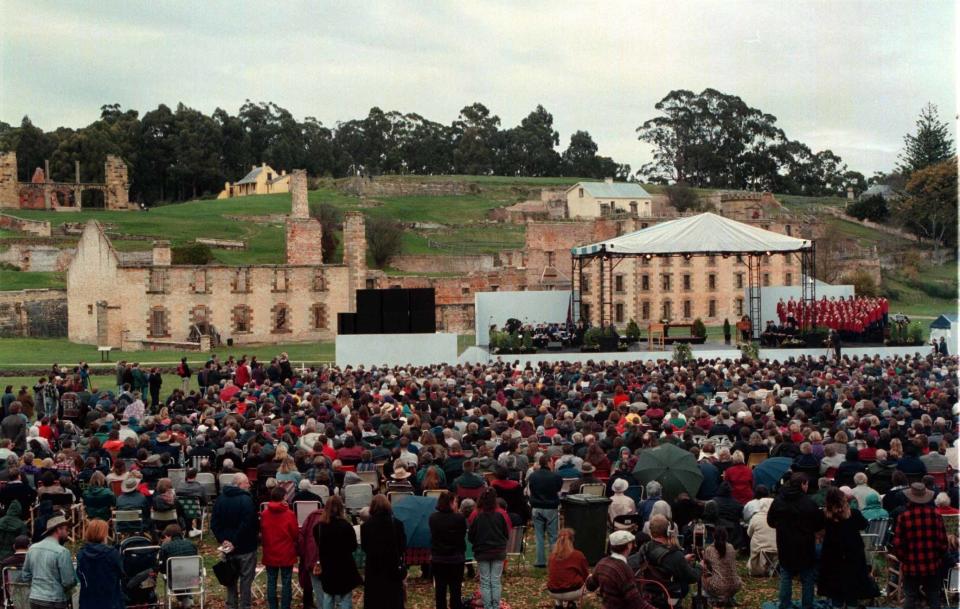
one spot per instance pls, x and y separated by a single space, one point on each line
119 300
42 193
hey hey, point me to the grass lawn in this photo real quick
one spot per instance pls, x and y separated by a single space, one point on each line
913 301
42 352
23 280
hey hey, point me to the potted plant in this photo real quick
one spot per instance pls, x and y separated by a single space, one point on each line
726 331
591 340
528 344
633 331
682 353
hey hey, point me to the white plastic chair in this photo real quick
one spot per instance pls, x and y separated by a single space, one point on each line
597 490
225 479
185 576
357 496
303 509
207 481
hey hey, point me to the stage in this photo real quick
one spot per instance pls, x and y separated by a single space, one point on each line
638 352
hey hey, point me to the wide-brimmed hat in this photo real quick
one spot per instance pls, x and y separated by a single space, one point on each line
153 459
918 493
129 484
400 472
163 437
53 523
587 468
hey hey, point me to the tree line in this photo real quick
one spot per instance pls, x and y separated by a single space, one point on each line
709 140
182 153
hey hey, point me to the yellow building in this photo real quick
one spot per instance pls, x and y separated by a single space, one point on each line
262 180
608 198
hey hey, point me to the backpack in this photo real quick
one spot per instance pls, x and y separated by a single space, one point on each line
652 555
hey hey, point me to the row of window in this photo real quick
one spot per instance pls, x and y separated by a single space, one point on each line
240 282
666 282
241 319
666 311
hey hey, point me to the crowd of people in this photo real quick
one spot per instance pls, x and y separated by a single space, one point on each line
866 440
855 318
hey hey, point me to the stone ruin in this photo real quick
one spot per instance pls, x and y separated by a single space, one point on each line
42 193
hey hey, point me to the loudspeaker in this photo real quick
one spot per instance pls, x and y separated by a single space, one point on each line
346 323
423 311
395 314
369 303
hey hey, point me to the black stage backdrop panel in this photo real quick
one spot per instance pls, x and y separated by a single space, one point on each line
369 305
423 311
396 311
346 323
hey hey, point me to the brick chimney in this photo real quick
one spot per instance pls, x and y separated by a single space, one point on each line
298 193
161 253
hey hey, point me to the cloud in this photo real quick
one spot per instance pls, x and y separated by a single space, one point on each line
848 76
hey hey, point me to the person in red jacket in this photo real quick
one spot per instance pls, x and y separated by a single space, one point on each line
567 571
278 525
740 477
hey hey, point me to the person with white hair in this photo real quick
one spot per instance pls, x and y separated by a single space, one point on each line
942 503
620 504
862 488
236 526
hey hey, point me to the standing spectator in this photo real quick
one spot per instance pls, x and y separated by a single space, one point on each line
796 519
567 571
336 541
155 380
48 567
99 570
448 530
720 578
235 525
544 486
14 427
920 542
844 576
384 543
613 579
489 534
183 371
280 532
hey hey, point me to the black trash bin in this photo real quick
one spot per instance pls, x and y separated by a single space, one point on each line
587 516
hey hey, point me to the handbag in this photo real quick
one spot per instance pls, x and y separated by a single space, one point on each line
227 572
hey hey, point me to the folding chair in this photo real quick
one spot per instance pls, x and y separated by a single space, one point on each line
160 519
178 476
193 510
303 509
894 579
516 544
597 490
225 480
880 528
433 492
567 483
16 594
370 477
321 490
122 517
207 480
185 576
395 496
357 496
951 586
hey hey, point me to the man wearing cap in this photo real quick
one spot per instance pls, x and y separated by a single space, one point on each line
920 542
613 579
48 568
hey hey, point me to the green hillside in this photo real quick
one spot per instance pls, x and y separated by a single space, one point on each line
436 225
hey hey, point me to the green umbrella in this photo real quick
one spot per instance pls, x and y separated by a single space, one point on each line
674 468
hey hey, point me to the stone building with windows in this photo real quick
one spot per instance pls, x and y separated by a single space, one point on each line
129 300
608 198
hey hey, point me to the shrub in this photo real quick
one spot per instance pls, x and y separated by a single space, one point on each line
683 198
633 330
749 351
331 219
591 337
873 208
862 282
191 253
384 239
915 333
698 329
682 353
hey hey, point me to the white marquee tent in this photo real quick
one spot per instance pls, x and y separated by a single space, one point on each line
702 234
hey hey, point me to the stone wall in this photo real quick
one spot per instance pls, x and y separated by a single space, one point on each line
422 263
397 187
33 313
117 182
34 257
34 227
8 180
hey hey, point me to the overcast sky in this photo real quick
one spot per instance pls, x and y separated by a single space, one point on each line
850 76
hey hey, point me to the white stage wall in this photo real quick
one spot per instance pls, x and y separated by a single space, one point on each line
395 349
770 296
529 307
